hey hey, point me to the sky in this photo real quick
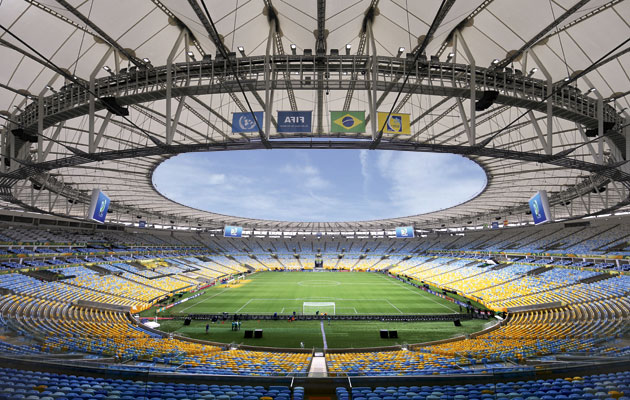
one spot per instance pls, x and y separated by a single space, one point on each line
319 185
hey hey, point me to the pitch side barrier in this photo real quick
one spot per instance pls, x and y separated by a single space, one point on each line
349 317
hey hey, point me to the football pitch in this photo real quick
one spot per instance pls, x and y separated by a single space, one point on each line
285 292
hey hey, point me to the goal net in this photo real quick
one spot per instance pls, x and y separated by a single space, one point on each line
312 307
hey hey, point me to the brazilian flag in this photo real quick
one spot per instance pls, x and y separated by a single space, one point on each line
347 121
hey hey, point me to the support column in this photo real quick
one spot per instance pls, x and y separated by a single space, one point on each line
549 148
374 78
268 86
169 86
92 102
471 131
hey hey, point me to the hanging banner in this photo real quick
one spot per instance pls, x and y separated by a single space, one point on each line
347 121
396 124
245 123
294 122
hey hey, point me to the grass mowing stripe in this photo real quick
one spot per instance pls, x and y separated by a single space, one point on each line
269 292
427 295
202 300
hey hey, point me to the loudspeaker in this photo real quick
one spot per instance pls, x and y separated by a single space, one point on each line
112 106
24 135
384 334
593 132
258 333
187 321
457 322
393 334
486 100
249 334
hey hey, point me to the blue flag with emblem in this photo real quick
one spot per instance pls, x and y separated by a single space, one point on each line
244 122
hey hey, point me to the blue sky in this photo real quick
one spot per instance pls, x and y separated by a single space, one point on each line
319 185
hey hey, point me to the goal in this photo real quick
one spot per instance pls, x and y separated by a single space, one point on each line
311 307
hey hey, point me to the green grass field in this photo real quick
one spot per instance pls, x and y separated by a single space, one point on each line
339 334
285 292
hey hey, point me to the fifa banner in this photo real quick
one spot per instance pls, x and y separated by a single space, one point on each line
347 121
396 124
142 224
404 232
539 205
99 205
244 122
495 225
294 122
233 231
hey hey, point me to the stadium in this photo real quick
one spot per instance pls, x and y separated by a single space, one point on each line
308 199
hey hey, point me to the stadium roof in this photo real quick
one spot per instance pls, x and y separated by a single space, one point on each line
55 53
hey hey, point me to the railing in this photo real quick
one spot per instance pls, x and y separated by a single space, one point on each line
204 77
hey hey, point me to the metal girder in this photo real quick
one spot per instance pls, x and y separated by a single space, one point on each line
214 35
132 58
272 14
320 44
437 20
369 16
583 18
445 7
320 48
461 25
514 55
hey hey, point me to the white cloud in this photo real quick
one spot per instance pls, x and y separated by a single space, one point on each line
327 188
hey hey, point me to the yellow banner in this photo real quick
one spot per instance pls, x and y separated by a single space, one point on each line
397 124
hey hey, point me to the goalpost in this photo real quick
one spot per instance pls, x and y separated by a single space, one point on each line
311 307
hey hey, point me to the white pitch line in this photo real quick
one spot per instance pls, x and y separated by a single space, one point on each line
404 285
323 334
390 303
244 305
203 301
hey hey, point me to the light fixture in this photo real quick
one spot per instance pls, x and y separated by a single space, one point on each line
348 47
566 79
191 54
106 68
241 50
450 56
532 71
400 51
495 61
591 90
50 88
146 60
293 48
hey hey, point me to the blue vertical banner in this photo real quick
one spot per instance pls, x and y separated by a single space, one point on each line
142 224
244 122
495 225
99 205
233 231
539 206
404 232
295 122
